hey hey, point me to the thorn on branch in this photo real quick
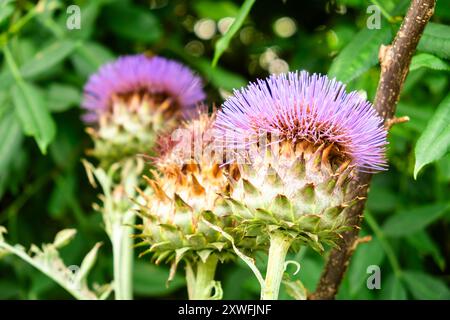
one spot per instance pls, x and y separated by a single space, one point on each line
358 241
391 122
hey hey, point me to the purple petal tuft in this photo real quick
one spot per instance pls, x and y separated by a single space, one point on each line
298 106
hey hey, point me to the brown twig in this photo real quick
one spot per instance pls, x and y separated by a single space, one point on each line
394 60
391 122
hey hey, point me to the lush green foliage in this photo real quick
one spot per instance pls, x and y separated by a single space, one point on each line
43 186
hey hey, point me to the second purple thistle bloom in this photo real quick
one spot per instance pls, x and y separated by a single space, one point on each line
132 99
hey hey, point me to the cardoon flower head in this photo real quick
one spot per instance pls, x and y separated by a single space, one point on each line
184 192
304 138
131 99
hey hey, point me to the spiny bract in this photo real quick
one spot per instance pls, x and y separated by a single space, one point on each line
131 100
300 139
185 190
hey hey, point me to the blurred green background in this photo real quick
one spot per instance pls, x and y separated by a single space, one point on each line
43 186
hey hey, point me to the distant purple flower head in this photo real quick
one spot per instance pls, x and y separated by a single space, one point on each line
139 73
299 107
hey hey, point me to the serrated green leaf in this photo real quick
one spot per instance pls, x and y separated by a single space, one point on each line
425 287
30 108
410 221
47 260
360 54
47 58
434 142
436 40
426 60
223 43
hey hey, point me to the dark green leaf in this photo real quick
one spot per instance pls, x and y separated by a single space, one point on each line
61 97
410 221
423 243
9 289
435 140
425 287
393 289
61 196
359 55
133 23
33 114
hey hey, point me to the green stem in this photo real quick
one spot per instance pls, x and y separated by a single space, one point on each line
279 247
123 257
204 279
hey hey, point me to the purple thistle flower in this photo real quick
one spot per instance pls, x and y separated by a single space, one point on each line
301 107
139 73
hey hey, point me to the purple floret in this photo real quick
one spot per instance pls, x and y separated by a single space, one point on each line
139 73
298 107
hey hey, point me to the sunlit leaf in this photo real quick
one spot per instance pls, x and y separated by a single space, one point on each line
5 11
436 40
426 60
215 9
47 58
434 142
33 114
360 54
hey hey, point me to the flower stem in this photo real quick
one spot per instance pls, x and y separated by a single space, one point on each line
204 278
122 244
279 246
